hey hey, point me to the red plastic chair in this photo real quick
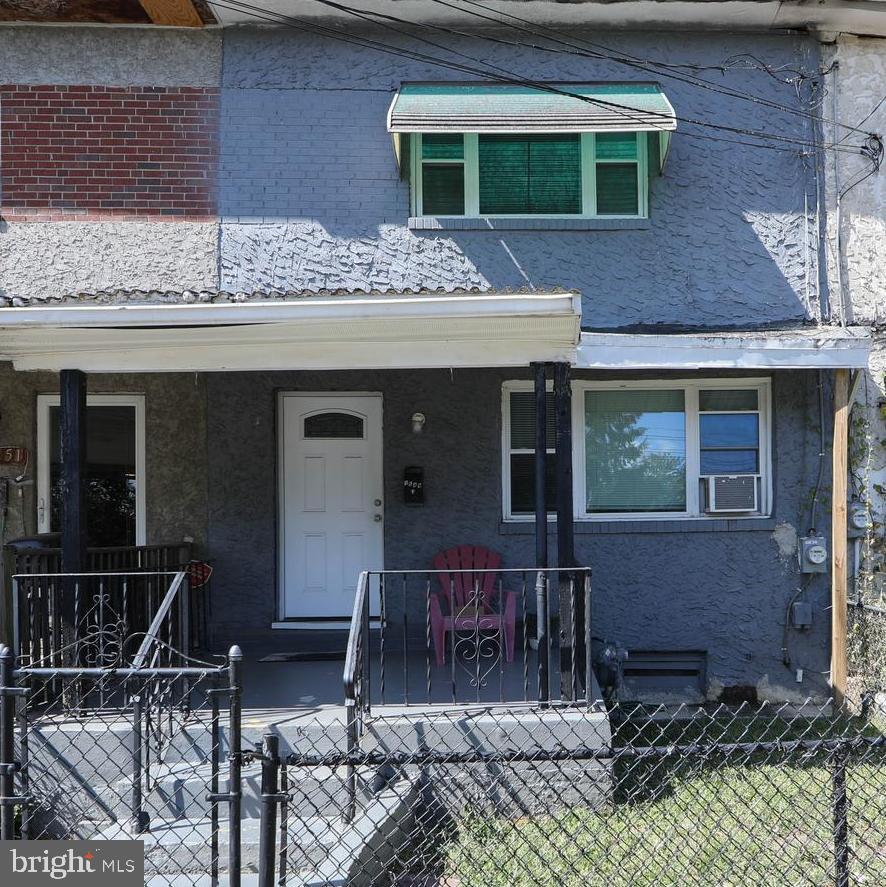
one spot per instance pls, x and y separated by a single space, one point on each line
467 601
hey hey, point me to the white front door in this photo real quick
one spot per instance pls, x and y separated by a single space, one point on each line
331 509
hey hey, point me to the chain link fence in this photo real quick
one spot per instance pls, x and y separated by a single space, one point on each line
477 795
125 752
747 795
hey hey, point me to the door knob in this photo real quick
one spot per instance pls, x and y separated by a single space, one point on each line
376 518
377 503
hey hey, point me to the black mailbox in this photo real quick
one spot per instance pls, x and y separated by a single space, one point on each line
413 485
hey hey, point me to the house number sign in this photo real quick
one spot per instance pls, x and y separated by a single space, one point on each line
13 455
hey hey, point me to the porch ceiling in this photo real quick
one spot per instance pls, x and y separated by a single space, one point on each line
311 332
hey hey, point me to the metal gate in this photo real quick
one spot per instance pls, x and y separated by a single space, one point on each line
152 753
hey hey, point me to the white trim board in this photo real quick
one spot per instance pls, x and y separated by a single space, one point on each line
825 348
370 333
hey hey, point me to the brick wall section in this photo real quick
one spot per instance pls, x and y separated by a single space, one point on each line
74 153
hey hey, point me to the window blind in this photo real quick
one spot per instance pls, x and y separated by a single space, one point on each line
526 174
522 467
443 184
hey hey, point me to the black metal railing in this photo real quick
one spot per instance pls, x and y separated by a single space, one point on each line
20 559
101 620
469 636
114 772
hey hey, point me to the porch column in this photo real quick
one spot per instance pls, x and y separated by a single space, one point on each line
571 605
541 462
72 420
839 532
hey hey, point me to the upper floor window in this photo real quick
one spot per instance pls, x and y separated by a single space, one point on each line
557 150
582 175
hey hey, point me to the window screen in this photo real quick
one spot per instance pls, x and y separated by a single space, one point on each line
443 174
617 174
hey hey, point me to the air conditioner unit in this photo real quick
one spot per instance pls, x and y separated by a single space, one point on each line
730 492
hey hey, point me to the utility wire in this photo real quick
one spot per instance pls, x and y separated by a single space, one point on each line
373 17
507 77
658 68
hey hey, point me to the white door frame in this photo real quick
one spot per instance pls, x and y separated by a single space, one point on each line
44 402
282 396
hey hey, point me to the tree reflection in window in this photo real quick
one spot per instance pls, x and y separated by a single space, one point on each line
635 450
110 474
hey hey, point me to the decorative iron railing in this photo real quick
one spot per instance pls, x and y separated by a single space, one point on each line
161 754
122 587
469 636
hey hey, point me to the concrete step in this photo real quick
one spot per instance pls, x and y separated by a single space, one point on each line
184 846
180 790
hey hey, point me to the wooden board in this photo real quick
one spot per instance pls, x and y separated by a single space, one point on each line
184 13
178 13
839 576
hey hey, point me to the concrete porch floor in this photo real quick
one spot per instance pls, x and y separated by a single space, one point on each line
310 691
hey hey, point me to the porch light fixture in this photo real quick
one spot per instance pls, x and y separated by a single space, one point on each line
418 422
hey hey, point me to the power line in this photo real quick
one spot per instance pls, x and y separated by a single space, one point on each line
659 68
505 76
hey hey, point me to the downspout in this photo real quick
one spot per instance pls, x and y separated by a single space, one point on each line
824 294
838 220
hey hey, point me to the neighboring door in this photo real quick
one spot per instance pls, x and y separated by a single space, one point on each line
331 509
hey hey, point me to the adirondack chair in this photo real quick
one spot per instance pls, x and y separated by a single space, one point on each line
467 599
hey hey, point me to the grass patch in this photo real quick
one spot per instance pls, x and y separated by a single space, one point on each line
693 822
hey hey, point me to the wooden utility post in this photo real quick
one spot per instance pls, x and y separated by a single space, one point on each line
839 529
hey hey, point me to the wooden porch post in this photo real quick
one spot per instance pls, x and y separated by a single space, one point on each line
571 604
73 470
839 529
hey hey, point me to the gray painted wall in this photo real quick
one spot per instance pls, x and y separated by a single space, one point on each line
310 195
685 585
175 446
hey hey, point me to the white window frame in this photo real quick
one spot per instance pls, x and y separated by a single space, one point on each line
44 403
506 451
690 387
471 163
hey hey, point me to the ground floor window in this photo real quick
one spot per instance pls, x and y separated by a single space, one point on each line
698 448
115 468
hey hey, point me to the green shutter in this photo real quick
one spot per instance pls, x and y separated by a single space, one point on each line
530 174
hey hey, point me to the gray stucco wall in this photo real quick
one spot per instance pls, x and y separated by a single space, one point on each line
685 585
175 447
310 196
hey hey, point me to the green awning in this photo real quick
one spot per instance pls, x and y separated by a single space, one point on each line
496 108
502 108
